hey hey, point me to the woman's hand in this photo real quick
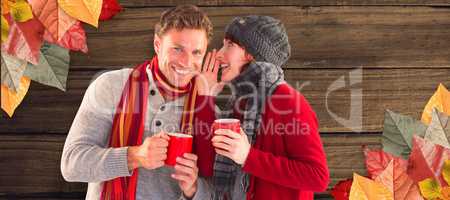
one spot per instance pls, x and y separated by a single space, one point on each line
206 80
186 173
230 144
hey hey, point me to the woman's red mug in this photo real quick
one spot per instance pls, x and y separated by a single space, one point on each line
179 144
228 123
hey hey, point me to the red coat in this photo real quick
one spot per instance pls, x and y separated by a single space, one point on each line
287 160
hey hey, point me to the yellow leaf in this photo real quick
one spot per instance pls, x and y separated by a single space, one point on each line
21 11
446 171
440 100
430 189
87 11
5 29
11 99
366 189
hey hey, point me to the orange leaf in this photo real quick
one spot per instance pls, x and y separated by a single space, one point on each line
446 193
11 99
84 10
54 19
366 189
395 178
440 100
5 6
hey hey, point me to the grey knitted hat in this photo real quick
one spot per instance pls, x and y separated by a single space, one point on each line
263 37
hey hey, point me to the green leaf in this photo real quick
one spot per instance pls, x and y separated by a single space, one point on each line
5 29
12 69
53 66
398 133
439 129
21 11
430 189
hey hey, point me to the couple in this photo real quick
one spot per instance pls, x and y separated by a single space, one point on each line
118 140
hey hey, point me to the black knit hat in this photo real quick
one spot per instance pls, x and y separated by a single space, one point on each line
263 37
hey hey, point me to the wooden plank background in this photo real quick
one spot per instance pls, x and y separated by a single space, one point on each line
397 52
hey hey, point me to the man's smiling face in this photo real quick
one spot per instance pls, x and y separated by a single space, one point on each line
180 54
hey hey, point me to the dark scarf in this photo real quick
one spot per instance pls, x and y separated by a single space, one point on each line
253 85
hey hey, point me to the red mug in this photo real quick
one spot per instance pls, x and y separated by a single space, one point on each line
179 144
228 123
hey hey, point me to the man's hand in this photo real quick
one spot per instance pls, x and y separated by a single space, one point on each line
206 80
186 173
151 154
230 144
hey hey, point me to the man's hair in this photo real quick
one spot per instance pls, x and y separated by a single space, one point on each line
184 17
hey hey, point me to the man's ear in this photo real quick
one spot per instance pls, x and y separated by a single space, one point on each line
156 44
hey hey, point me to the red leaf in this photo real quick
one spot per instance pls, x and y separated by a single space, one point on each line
395 178
109 9
426 160
74 39
25 39
376 161
341 191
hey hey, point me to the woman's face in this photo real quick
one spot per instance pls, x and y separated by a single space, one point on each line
232 58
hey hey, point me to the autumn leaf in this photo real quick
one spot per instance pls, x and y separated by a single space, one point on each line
439 129
12 70
396 179
445 192
5 6
21 11
25 39
367 189
398 133
87 11
5 29
341 191
53 67
376 161
54 19
74 39
440 100
109 9
12 99
446 171
426 160
430 189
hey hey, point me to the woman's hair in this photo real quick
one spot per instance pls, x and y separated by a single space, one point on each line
232 39
184 17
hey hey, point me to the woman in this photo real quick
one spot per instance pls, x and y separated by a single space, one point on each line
278 154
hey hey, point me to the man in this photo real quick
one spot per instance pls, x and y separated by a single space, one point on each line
118 141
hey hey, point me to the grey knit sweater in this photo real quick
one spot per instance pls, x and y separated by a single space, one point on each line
87 158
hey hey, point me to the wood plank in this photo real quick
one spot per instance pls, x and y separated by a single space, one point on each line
31 161
325 37
48 110
152 3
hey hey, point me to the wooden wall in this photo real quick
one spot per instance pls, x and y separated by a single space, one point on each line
388 54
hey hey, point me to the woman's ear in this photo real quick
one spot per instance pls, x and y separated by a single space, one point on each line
249 57
156 44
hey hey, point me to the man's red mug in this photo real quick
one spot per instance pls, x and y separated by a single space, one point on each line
228 123
179 144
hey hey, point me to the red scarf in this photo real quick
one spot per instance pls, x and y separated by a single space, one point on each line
130 116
